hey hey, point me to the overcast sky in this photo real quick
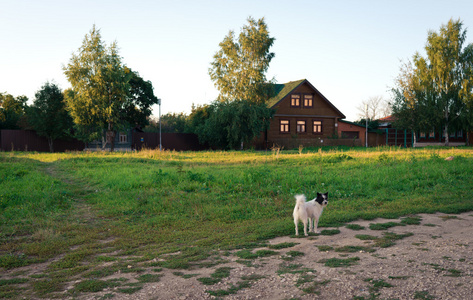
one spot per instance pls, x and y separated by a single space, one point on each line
349 50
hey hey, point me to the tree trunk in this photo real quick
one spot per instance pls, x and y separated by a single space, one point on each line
446 135
111 139
50 142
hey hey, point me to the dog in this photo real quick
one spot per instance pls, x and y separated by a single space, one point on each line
309 212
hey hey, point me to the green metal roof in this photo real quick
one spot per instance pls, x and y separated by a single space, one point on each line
282 90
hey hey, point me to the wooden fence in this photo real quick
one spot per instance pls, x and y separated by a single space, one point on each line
27 140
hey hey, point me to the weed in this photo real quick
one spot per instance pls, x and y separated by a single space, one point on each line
304 278
384 226
446 218
315 287
129 290
291 255
423 295
378 284
325 248
149 278
340 262
233 289
415 220
216 277
292 269
282 245
352 249
94 285
185 276
366 237
355 227
330 232
247 254
400 277
454 273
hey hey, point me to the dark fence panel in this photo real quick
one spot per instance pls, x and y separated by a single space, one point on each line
170 141
397 137
28 140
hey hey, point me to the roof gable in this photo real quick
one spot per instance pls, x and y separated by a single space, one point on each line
282 90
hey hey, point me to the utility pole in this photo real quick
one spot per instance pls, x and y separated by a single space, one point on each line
160 140
366 133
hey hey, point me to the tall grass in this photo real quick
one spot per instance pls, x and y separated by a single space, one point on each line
151 203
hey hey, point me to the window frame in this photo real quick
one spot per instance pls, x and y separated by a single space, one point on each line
122 137
311 101
321 126
286 126
301 124
299 100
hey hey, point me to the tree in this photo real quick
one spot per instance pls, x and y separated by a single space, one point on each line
239 67
377 108
48 115
437 88
137 106
12 111
100 86
229 125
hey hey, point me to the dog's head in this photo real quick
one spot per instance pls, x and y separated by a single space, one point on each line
322 199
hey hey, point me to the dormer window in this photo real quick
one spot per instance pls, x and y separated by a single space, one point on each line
295 100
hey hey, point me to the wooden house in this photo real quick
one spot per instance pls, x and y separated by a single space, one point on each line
303 116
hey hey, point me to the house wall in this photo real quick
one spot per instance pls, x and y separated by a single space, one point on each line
320 111
347 127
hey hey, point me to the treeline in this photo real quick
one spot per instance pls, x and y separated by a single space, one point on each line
435 91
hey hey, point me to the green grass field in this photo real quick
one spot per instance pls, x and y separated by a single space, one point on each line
75 211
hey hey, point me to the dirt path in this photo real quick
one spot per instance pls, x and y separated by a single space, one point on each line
431 260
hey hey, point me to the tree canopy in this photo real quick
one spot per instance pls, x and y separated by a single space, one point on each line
48 115
239 67
12 111
230 125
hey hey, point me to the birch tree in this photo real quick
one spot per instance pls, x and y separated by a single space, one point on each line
100 85
239 67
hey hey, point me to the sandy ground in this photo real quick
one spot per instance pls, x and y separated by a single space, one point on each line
435 262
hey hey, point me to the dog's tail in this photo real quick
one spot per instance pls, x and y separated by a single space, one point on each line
300 200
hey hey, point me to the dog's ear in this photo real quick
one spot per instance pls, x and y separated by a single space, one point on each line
326 194
318 194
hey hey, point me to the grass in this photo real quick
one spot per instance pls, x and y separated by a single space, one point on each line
340 262
89 214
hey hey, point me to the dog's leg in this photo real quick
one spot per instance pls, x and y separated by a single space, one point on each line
311 227
305 226
295 223
316 224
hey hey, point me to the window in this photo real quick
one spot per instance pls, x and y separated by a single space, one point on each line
432 134
295 100
284 126
452 134
460 133
308 100
123 137
422 135
317 125
301 127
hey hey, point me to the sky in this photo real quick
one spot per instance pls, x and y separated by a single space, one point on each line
349 50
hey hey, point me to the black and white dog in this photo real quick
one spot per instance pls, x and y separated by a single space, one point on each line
309 212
